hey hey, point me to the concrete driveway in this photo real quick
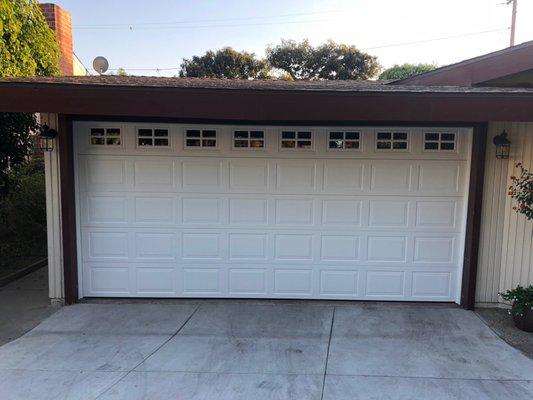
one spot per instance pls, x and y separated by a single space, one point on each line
253 350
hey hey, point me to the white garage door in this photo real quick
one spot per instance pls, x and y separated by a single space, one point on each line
272 212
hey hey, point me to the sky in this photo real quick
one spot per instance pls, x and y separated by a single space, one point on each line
152 37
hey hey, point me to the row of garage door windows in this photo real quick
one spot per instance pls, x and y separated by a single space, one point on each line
289 140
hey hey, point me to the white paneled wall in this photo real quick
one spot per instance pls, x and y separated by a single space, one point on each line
506 248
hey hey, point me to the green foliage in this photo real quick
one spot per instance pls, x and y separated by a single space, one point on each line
522 299
121 72
330 61
28 46
521 191
225 63
23 213
405 71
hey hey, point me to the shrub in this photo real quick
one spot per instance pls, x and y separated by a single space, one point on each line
521 297
521 191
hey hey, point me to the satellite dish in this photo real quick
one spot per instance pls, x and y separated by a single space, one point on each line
100 64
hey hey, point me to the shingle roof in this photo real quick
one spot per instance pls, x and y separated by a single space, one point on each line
248 85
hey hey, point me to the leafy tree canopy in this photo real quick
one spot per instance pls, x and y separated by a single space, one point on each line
330 60
225 63
27 47
405 71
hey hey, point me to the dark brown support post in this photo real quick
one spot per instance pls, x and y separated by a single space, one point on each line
68 208
473 219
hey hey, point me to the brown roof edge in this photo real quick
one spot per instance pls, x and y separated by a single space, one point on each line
479 69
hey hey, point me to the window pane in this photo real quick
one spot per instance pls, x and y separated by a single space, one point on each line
257 134
145 132
447 146
193 133
352 145
288 135
161 142
97 141
448 136
383 145
400 135
335 135
161 132
113 132
113 141
352 135
288 144
145 142
431 146
257 143
399 145
304 135
335 144
304 144
241 134
209 143
432 136
97 132
384 135
241 143
193 142
209 134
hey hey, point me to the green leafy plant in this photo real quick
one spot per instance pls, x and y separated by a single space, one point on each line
522 299
521 190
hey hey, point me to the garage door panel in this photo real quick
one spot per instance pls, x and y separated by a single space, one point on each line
202 246
294 212
343 177
202 176
386 248
335 247
389 214
341 283
106 245
296 176
440 178
249 176
104 173
391 177
436 285
155 246
385 284
345 212
201 210
198 281
155 281
104 209
438 214
293 246
248 281
434 250
154 210
154 175
248 211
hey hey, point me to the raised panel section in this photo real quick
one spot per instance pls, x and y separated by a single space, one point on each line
109 280
386 213
432 284
340 247
249 175
201 281
248 211
293 247
343 176
247 281
385 283
247 246
202 175
387 248
296 176
106 209
108 245
201 210
156 281
293 282
154 210
155 246
294 212
152 174
201 245
341 212
436 214
434 249
338 282
391 177
439 178
105 173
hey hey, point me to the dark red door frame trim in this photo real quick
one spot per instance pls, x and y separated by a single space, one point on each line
68 205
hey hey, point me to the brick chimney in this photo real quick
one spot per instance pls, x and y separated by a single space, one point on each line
61 22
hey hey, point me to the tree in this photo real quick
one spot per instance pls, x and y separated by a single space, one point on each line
405 71
121 72
225 63
332 61
27 47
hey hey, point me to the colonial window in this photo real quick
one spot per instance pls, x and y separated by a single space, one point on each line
147 137
434 141
339 140
248 139
105 137
392 141
296 140
199 138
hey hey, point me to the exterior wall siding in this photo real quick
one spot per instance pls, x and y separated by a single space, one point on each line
506 248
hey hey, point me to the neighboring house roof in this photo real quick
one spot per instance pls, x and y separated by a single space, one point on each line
480 71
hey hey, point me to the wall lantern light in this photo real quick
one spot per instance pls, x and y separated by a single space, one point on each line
46 138
503 145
